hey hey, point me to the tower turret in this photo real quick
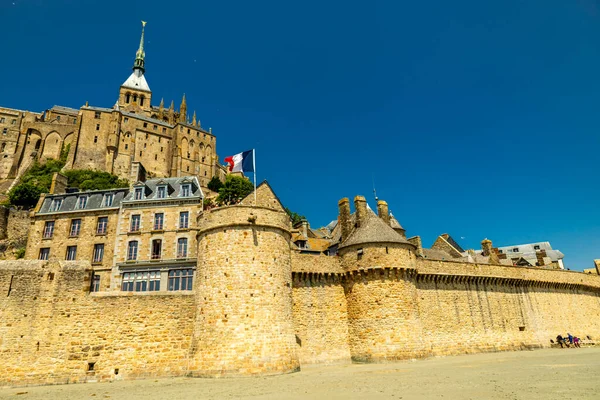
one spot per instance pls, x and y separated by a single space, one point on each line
378 261
243 290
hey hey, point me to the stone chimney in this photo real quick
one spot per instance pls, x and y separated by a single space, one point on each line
138 173
488 250
360 205
304 223
416 240
344 218
383 212
59 183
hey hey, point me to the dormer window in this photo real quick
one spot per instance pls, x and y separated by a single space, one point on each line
81 202
139 193
161 192
56 204
515 250
186 189
108 200
536 247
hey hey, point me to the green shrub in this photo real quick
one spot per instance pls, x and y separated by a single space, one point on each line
20 253
234 190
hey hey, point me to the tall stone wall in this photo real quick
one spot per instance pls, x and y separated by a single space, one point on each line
320 318
52 328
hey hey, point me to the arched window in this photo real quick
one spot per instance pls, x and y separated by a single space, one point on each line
135 98
127 98
3 147
142 100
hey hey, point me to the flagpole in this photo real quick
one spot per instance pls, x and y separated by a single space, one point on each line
254 165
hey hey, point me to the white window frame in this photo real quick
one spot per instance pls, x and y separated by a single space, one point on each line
82 199
108 199
182 247
185 219
186 187
48 230
98 251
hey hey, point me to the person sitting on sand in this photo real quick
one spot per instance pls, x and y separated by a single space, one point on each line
561 340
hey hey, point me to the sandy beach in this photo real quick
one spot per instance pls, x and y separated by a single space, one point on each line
542 374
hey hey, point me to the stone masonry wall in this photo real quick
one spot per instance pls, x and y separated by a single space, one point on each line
244 295
320 318
51 328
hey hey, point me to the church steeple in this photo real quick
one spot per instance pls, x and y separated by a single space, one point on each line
135 92
140 55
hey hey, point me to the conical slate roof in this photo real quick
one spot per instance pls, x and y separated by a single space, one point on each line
374 230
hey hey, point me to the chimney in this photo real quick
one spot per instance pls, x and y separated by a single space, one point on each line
344 218
304 227
416 240
383 212
488 250
138 173
360 205
59 183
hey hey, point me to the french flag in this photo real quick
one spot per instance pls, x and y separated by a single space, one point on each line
241 162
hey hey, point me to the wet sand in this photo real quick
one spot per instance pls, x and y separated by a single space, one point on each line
542 374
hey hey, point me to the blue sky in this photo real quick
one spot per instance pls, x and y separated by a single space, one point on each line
479 119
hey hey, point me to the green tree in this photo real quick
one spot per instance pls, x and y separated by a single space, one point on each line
215 184
295 217
234 190
85 179
38 179
25 195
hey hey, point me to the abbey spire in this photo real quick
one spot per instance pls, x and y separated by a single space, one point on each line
140 55
135 92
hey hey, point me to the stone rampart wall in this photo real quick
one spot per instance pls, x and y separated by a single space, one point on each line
320 316
51 328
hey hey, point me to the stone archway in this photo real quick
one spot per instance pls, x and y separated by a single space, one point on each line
51 147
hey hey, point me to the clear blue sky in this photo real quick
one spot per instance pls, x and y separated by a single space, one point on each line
475 118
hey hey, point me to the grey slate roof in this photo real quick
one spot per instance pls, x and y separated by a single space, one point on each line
66 110
394 223
94 200
147 119
103 109
528 252
374 230
173 189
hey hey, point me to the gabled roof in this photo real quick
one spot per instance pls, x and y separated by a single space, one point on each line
265 197
136 81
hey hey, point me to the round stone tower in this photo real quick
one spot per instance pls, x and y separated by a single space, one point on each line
243 293
380 288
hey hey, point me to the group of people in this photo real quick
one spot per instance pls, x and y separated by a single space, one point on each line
570 340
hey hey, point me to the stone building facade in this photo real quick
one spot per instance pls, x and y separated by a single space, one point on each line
167 142
258 304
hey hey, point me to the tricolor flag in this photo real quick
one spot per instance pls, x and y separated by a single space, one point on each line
241 162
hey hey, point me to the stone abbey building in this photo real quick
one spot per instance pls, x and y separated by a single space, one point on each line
144 282
111 139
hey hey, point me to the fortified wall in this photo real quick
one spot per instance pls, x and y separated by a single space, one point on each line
259 307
